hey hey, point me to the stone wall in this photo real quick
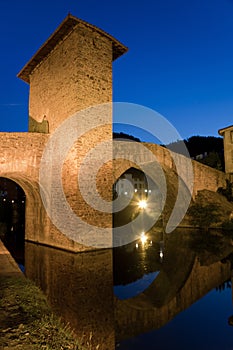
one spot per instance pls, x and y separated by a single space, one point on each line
204 176
20 161
75 75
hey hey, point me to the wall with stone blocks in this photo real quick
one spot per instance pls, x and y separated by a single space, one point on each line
20 161
75 75
204 177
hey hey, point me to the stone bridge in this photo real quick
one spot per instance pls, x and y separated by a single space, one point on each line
20 161
70 72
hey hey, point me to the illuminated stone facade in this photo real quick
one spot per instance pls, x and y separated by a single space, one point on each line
227 134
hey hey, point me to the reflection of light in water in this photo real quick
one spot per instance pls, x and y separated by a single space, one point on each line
161 250
132 289
142 204
143 238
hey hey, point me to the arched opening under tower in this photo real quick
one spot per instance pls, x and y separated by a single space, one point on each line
12 218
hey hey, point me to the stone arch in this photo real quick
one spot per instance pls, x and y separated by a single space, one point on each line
137 171
12 231
35 216
121 166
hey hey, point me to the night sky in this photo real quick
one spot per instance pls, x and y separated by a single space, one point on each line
180 59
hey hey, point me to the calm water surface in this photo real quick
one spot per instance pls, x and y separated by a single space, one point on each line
160 292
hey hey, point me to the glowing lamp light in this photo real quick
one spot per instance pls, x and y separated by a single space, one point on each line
142 204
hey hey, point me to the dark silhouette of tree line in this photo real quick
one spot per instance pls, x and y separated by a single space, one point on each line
207 150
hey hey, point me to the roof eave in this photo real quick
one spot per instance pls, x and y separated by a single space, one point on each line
221 131
64 29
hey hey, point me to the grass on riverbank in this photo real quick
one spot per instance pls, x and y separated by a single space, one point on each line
26 320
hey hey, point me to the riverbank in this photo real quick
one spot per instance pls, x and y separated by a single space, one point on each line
26 319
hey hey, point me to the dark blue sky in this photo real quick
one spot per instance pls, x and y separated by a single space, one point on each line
180 59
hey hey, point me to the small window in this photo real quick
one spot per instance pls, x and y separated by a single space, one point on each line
232 156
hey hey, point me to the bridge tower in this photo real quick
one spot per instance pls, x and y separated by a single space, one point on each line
71 71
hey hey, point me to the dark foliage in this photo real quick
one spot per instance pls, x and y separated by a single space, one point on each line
203 216
223 286
209 147
227 191
122 135
206 242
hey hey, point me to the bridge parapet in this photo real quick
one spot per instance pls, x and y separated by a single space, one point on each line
21 153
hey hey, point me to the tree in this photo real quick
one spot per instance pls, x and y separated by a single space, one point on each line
124 136
209 147
227 191
213 160
203 216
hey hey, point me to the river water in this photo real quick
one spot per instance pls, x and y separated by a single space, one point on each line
160 292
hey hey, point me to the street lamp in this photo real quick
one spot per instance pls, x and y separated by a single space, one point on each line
142 204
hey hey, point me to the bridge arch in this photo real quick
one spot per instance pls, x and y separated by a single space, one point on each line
122 166
35 216
12 217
